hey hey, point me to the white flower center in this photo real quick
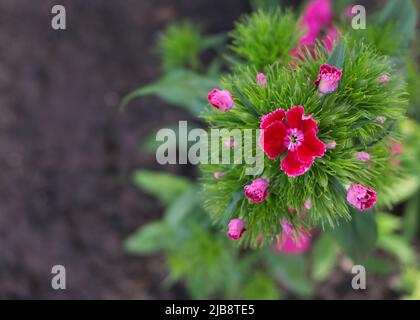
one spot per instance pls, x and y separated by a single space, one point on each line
293 139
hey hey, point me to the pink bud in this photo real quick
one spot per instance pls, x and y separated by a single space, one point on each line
363 156
328 79
257 190
380 119
360 197
220 99
261 79
218 175
383 78
230 143
236 228
308 204
331 144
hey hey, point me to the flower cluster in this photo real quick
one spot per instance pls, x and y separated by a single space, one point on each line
321 127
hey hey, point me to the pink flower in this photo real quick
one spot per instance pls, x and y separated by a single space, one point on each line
286 226
380 119
261 79
257 190
236 228
396 148
295 132
363 156
308 204
360 197
328 79
220 99
383 78
218 175
318 13
316 19
291 242
230 143
331 144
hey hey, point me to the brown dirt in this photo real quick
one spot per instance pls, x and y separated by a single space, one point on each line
67 153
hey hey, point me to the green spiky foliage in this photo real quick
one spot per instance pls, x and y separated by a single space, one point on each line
264 37
180 45
346 116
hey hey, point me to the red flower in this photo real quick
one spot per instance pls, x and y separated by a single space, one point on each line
295 132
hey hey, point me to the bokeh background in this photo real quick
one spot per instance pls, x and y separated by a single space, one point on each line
67 153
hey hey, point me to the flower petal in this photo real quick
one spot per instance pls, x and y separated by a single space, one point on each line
272 139
294 116
293 167
312 147
277 115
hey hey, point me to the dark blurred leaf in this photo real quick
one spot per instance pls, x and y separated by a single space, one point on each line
337 55
291 271
403 15
148 239
261 287
213 41
411 218
324 257
379 265
182 88
164 186
358 236
181 207
236 196
265 5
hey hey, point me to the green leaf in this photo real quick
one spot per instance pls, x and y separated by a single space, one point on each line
164 186
236 196
245 101
337 55
261 287
358 236
403 15
379 265
185 89
411 218
291 271
148 239
324 255
181 207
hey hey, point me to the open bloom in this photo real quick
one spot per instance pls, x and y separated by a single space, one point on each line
328 79
236 228
360 197
261 79
294 132
257 190
220 99
291 242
